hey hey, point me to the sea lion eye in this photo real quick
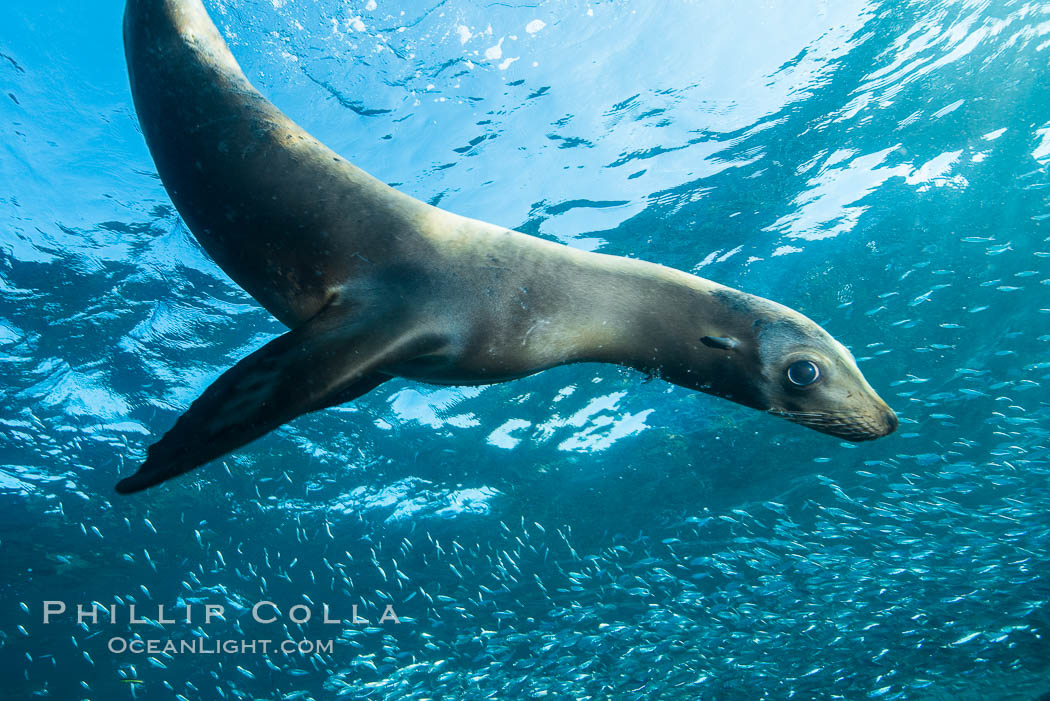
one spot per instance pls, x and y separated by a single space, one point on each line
803 373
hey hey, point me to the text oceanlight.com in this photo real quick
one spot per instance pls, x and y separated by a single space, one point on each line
204 646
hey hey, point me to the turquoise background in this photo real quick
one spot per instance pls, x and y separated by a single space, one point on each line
584 533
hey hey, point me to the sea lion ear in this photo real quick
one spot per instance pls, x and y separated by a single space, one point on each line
720 342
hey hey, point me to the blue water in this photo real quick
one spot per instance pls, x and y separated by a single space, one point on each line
880 166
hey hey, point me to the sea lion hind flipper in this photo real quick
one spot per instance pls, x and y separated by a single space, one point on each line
318 364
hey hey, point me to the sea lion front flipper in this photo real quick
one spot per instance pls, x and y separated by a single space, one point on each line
323 362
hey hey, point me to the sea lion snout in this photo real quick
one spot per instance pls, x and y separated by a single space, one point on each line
881 424
891 422
845 407
855 428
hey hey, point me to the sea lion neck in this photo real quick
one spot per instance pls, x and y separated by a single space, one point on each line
644 315
669 324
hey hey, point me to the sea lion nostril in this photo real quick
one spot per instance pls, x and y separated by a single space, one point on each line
891 421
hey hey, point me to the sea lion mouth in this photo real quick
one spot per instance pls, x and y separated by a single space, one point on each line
852 427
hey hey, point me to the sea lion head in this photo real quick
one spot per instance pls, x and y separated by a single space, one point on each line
770 357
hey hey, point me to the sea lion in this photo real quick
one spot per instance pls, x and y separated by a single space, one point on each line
376 284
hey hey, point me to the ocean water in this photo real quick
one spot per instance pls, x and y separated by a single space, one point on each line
582 533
